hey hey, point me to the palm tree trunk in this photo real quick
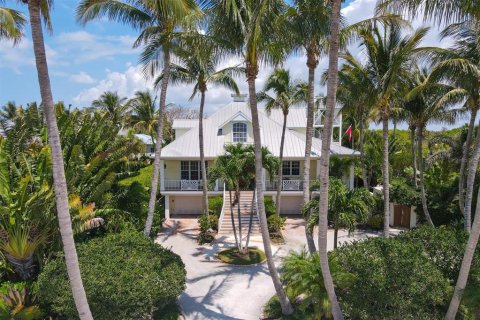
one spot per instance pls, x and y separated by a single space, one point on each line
202 154
362 155
414 155
250 222
335 236
59 180
325 160
233 220
466 265
158 146
386 178
471 173
280 169
422 180
252 71
308 146
239 217
464 161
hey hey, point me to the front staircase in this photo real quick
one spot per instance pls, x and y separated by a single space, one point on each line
245 202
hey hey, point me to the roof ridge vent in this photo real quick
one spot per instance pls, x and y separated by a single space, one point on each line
239 97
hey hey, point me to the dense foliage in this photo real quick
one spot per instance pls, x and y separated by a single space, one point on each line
126 276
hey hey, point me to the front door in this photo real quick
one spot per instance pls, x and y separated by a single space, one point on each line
401 216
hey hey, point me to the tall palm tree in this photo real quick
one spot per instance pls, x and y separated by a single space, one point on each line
308 22
198 66
159 22
144 115
39 9
325 158
114 105
251 25
355 93
423 107
12 23
389 56
288 93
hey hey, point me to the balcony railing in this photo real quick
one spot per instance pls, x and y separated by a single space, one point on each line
189 185
287 185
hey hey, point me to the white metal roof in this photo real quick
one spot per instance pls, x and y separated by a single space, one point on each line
187 145
184 123
145 138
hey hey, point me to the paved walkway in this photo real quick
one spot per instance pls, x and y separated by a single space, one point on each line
219 291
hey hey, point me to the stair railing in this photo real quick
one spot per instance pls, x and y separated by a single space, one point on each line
222 214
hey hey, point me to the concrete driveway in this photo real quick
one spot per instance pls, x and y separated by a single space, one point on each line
219 291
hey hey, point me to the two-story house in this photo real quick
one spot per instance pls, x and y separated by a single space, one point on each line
180 174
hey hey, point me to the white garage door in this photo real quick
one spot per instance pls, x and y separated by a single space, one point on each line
291 205
186 204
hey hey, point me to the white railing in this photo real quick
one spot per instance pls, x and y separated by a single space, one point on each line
188 185
222 214
287 185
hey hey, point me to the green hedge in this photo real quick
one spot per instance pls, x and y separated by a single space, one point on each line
126 276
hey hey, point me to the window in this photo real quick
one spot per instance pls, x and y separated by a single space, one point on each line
191 170
291 168
239 132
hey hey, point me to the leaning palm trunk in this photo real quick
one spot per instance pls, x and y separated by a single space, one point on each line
362 155
252 71
471 173
202 154
158 146
308 147
233 219
414 155
239 217
386 178
466 265
464 161
250 222
280 169
59 181
325 160
422 180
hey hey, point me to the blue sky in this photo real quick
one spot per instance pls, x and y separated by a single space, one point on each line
86 60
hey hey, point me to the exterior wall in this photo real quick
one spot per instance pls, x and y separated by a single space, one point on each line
301 130
180 132
228 132
185 204
291 204
413 217
313 169
172 170
148 148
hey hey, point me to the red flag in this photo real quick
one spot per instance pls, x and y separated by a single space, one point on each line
349 133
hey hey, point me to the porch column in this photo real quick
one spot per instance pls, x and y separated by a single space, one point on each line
162 175
351 177
318 168
167 207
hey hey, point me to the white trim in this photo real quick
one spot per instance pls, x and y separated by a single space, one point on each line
167 207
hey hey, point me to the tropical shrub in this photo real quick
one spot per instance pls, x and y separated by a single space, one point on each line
375 222
215 205
275 224
125 275
270 207
206 223
402 193
17 302
393 280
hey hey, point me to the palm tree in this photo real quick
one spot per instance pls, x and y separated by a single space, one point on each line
38 9
114 105
12 23
355 93
389 57
325 158
159 22
252 28
198 66
308 22
287 94
144 115
423 107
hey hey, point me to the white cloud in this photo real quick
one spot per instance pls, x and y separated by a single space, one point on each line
82 77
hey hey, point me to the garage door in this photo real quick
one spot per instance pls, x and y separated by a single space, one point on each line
291 205
186 204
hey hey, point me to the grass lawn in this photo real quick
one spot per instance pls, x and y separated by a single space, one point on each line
232 256
143 178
